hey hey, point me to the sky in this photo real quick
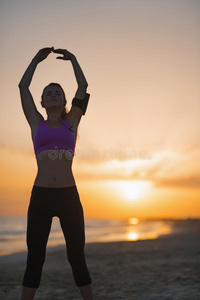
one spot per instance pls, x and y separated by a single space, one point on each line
137 154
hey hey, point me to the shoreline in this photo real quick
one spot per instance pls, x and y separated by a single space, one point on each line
172 227
17 256
175 226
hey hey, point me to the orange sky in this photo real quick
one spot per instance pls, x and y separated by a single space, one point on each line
138 148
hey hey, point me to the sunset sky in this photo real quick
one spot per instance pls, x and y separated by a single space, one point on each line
138 152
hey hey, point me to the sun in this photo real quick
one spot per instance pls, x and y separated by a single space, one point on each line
132 190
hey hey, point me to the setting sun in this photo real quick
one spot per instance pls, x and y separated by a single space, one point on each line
132 189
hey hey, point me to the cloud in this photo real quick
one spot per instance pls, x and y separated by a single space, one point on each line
188 182
165 168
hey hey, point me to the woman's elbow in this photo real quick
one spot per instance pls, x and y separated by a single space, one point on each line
22 85
85 85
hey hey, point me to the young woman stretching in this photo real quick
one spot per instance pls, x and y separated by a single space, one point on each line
54 192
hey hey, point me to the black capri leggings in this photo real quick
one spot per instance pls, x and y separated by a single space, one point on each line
45 203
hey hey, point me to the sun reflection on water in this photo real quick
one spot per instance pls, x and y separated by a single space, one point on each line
140 230
132 236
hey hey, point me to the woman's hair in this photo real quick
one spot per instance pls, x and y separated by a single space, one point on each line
65 111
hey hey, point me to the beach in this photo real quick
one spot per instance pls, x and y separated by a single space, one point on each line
163 268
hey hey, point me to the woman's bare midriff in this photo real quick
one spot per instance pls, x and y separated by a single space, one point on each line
54 169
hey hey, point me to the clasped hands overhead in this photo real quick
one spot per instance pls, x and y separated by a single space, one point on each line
44 52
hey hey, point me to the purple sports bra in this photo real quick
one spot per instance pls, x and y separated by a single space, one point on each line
47 138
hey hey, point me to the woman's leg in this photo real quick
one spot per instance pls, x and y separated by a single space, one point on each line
87 292
28 293
72 223
39 224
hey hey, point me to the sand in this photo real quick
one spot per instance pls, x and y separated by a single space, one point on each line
165 268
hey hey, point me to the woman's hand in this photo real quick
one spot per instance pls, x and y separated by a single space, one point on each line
43 53
66 54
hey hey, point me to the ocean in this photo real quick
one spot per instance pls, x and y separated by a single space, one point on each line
13 231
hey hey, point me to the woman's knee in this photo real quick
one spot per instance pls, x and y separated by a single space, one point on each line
36 257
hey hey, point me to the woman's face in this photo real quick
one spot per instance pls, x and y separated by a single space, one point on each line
53 97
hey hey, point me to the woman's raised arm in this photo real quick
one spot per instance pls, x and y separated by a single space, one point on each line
28 104
79 103
80 78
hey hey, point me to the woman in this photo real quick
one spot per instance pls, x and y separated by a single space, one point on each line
54 191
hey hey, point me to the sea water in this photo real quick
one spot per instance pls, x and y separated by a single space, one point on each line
13 231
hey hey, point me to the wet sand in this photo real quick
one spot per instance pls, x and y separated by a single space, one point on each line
165 268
